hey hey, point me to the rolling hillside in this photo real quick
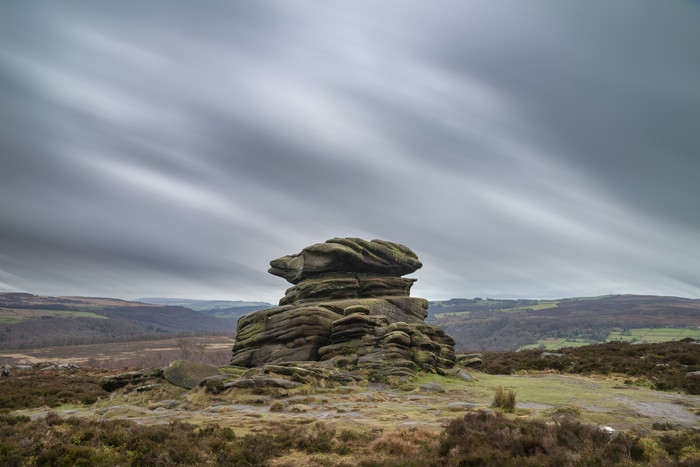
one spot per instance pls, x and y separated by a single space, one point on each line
28 321
219 308
487 324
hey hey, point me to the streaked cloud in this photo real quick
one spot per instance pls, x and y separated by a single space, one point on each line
522 150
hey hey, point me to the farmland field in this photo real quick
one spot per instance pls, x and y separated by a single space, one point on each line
18 314
649 335
556 343
638 335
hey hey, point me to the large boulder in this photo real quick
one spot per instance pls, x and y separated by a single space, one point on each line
188 374
347 255
349 308
113 382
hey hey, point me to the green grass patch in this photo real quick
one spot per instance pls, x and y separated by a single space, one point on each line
593 298
18 314
557 343
453 313
635 335
75 314
651 335
541 305
9 320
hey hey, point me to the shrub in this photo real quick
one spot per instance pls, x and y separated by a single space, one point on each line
477 438
318 439
663 426
675 359
504 399
276 406
37 389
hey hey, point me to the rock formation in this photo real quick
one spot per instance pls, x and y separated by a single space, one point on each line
348 307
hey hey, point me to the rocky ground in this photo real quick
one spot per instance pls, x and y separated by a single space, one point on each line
427 401
367 416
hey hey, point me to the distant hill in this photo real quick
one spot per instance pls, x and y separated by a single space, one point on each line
28 321
489 324
218 308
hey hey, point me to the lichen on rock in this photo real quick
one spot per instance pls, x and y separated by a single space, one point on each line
350 308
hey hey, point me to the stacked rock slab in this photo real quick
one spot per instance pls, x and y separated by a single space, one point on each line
349 306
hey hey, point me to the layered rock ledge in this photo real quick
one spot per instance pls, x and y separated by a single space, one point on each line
350 308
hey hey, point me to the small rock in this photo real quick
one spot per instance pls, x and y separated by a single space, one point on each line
275 382
42 365
241 383
166 404
464 376
693 373
346 377
262 382
551 355
214 384
432 387
148 387
472 362
461 405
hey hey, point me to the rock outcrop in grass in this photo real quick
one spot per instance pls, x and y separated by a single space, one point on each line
350 307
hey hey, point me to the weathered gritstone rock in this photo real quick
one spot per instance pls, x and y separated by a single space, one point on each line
349 308
347 255
113 382
188 374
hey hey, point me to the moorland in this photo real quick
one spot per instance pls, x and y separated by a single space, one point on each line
596 405
30 321
490 324
605 399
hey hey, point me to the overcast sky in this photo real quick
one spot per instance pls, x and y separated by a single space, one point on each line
521 148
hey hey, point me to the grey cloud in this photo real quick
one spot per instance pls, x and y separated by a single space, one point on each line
540 149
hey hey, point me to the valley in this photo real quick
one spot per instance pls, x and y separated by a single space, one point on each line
488 324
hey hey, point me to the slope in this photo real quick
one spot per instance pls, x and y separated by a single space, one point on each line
28 321
510 324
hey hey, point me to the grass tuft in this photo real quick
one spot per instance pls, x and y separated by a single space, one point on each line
504 399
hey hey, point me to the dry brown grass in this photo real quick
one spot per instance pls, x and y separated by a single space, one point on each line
406 442
215 350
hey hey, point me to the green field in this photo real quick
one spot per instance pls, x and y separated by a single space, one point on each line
592 298
649 335
557 343
635 335
15 315
9 320
542 305
499 306
452 313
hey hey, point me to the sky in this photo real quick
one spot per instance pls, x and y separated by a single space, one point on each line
535 149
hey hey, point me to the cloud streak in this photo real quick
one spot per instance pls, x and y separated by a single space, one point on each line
537 150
